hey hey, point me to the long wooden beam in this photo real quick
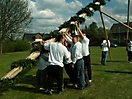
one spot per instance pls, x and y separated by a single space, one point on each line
128 23
115 19
106 35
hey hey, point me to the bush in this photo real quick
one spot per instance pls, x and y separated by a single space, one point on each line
15 46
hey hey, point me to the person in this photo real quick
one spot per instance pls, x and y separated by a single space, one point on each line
86 55
77 61
56 56
129 51
42 69
67 64
105 50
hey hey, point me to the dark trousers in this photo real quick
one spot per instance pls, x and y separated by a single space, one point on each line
42 78
71 73
130 56
87 68
55 71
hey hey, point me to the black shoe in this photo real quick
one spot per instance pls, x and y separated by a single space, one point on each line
81 88
87 85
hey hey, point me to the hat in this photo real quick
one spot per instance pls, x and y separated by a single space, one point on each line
63 30
38 40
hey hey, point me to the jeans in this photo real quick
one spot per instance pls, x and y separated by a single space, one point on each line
104 57
79 67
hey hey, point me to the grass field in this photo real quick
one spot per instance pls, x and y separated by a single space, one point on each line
113 81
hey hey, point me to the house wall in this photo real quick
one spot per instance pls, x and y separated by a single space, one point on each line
120 38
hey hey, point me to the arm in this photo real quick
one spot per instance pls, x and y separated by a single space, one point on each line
69 35
47 46
79 31
69 40
44 57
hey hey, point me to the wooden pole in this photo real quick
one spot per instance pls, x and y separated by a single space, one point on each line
128 22
116 20
106 35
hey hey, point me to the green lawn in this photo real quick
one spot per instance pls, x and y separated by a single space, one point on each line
112 81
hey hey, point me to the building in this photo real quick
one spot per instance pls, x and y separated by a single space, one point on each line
119 33
32 36
36 36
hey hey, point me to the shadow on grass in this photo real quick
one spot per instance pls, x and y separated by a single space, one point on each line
27 89
115 61
28 83
124 72
27 79
95 64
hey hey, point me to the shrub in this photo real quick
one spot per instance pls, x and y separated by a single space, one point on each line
24 63
15 46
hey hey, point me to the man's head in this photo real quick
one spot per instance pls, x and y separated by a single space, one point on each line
83 32
60 38
75 39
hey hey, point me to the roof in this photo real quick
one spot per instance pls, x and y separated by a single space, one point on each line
117 27
30 36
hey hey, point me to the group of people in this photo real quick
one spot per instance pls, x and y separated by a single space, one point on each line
70 52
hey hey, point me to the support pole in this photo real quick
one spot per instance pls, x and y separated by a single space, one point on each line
106 35
128 23
116 20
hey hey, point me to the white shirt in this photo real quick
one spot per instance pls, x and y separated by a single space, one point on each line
85 46
130 46
69 60
42 64
76 52
104 45
57 53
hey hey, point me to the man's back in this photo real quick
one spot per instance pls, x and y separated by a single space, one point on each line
57 53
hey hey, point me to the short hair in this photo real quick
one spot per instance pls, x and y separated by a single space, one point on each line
76 36
59 37
83 31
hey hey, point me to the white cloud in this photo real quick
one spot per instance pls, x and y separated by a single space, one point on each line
50 14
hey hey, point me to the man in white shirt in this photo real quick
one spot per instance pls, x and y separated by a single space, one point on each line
129 51
77 61
104 51
56 56
86 55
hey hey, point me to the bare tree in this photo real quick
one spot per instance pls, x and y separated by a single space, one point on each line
15 18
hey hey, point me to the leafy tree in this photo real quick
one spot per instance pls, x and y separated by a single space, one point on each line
96 33
14 19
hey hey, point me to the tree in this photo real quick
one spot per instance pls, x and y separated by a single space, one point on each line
96 33
15 18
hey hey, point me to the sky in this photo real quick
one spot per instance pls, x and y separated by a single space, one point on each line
48 15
